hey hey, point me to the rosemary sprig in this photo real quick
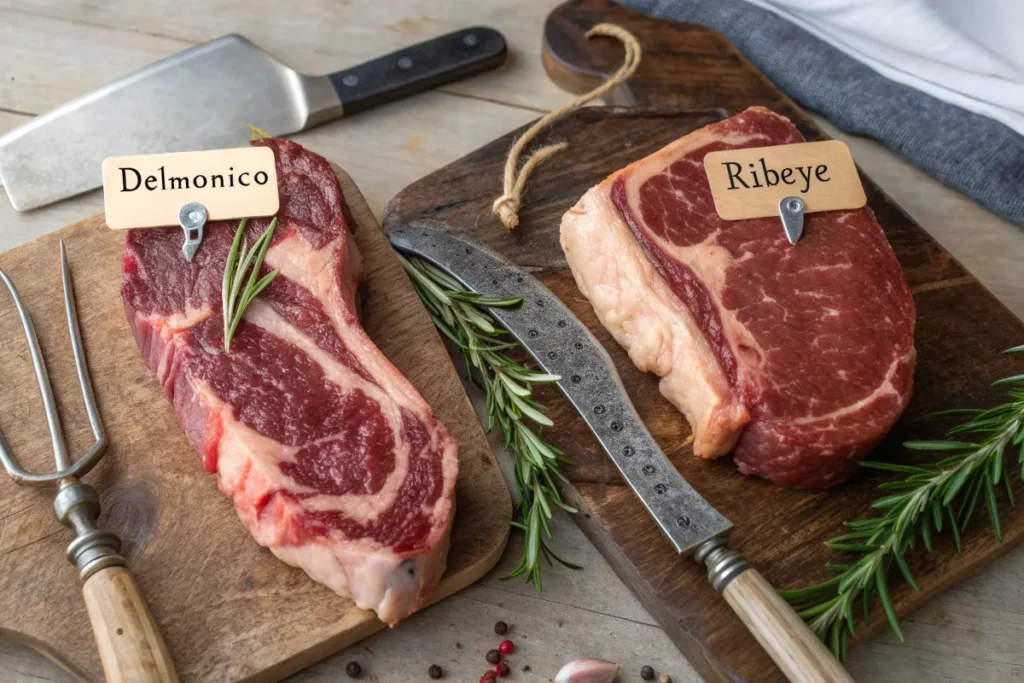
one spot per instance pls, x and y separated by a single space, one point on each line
462 317
927 500
238 291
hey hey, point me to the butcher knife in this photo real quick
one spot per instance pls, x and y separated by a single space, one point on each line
204 97
562 345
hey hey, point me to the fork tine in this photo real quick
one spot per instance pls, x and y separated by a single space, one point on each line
60 452
78 349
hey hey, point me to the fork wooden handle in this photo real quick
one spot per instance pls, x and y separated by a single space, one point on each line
782 633
131 647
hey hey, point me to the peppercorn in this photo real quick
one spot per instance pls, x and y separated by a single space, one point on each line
647 673
501 628
353 669
506 647
493 656
436 672
665 678
488 677
501 669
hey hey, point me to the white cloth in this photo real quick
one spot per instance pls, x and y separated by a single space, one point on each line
968 53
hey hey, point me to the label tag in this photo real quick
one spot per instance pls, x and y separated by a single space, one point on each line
750 182
148 190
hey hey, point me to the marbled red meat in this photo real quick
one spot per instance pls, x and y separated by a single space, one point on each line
333 460
798 359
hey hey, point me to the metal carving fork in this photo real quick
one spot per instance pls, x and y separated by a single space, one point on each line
129 641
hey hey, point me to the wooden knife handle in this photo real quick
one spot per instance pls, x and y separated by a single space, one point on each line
782 633
131 647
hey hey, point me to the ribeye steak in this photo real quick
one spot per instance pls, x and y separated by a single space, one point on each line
798 359
333 460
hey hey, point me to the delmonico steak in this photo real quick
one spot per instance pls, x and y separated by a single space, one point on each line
333 460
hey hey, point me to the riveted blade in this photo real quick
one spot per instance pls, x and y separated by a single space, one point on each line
562 345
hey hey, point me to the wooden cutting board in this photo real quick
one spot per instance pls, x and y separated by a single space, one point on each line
961 330
229 610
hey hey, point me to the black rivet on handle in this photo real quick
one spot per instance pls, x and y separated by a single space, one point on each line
578 345
576 379
648 469
561 323
552 355
628 451
683 522
533 334
468 250
660 489
616 427
540 303
599 410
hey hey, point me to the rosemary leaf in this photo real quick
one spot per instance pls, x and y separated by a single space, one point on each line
243 261
882 585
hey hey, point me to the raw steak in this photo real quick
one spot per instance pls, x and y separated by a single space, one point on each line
333 460
798 359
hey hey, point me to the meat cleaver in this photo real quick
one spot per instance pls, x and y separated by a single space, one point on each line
204 97
562 345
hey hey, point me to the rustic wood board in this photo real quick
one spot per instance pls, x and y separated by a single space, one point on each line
229 610
961 330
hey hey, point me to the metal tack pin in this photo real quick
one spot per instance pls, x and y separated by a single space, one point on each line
791 211
192 218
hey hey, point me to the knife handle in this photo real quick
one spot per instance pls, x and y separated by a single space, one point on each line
799 654
423 66
131 647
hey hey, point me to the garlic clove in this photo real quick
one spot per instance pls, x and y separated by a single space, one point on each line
587 671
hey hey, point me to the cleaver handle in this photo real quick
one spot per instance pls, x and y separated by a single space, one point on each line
798 653
423 66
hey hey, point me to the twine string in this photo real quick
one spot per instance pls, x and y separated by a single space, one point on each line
506 207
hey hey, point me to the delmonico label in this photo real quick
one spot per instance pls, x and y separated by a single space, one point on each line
146 191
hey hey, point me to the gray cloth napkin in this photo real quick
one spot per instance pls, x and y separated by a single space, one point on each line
980 157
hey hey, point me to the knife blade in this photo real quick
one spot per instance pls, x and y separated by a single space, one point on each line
562 345
204 97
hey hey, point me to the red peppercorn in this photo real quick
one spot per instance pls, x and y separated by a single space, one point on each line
506 647
488 677
501 669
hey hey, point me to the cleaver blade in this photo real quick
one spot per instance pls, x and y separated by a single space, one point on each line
204 97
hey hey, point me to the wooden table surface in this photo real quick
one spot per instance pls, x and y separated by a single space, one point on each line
51 52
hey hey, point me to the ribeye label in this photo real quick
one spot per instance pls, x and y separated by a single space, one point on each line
750 182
